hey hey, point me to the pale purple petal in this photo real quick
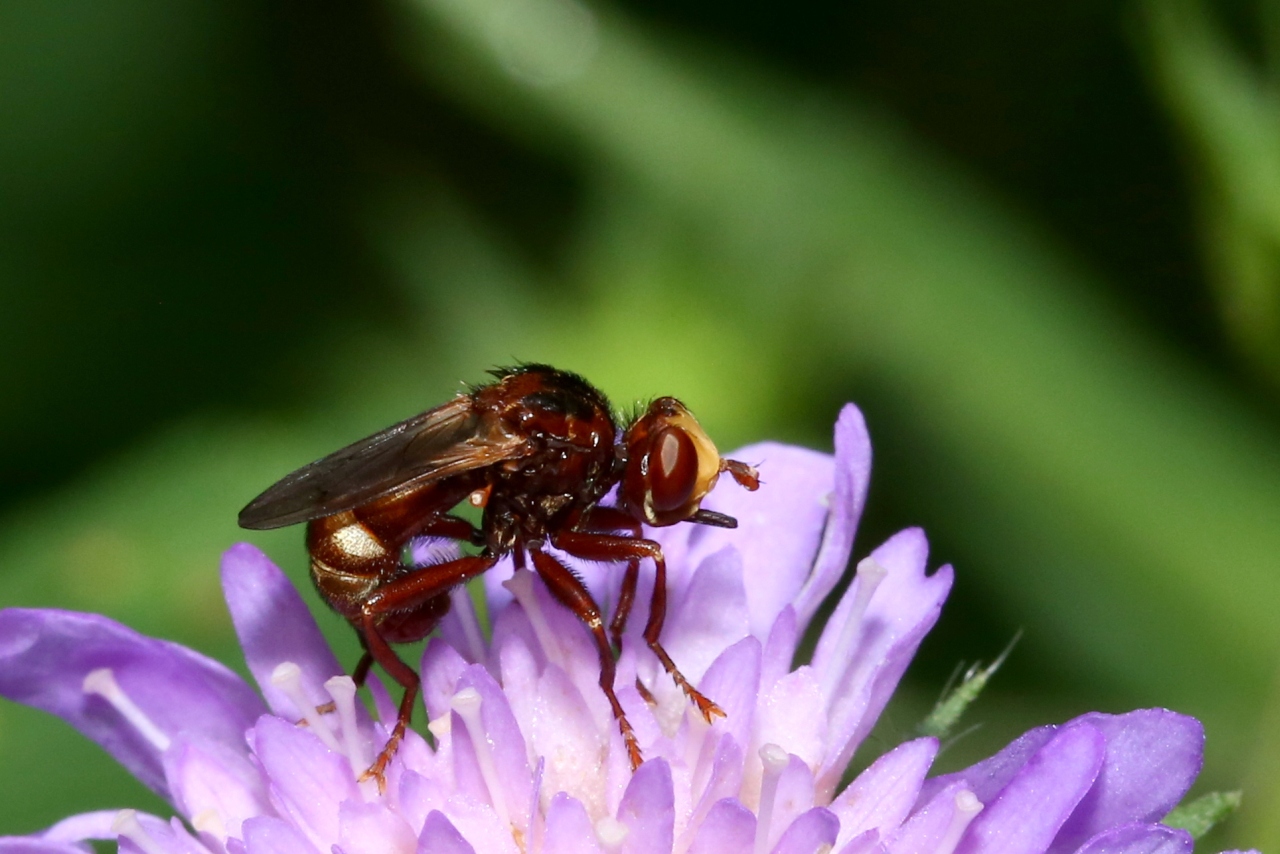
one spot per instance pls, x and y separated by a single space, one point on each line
45 656
372 828
865 843
648 810
269 835
780 648
441 669
170 837
506 746
1140 839
792 798
208 778
568 828
694 634
33 845
809 833
560 726
86 825
779 526
308 782
439 836
852 476
988 777
274 626
1153 757
929 825
883 795
792 715
732 682
729 828
724 780
860 681
1027 814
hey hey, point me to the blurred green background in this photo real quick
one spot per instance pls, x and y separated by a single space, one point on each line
1039 244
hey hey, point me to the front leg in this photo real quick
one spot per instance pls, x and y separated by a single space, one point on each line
571 593
607 547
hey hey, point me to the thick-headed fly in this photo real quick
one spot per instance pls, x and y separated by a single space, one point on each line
538 449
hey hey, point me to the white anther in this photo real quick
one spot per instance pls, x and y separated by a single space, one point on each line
611 832
103 683
287 676
775 760
467 704
210 821
343 691
967 807
870 574
521 586
126 824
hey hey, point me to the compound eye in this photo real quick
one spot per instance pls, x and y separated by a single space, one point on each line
673 470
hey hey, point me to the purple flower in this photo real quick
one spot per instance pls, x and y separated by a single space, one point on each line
524 754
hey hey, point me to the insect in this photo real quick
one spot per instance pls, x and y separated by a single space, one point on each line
538 449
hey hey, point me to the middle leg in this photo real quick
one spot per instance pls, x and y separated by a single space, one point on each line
607 547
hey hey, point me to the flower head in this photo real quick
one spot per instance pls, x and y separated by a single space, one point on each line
523 754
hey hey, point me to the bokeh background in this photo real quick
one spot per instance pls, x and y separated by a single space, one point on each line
1038 243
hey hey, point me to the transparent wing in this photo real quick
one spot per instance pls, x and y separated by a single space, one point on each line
442 442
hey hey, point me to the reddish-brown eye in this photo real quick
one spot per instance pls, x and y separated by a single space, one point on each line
673 470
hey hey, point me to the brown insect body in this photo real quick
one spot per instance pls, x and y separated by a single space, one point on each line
538 449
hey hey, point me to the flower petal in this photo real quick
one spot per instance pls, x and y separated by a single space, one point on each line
372 828
859 661
986 778
568 828
809 833
270 835
86 825
648 810
733 682
274 626
1153 757
779 527
1140 839
852 476
35 845
694 634
1027 814
439 836
505 748
883 795
308 782
46 655
217 787
729 828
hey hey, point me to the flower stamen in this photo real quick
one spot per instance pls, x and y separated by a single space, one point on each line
869 575
343 691
467 704
775 760
967 807
102 682
611 832
210 822
521 586
126 824
288 678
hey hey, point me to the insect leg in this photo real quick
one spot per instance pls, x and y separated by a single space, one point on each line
571 593
626 596
409 593
606 547
607 520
